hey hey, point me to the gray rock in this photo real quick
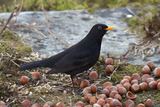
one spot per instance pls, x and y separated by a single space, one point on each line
72 25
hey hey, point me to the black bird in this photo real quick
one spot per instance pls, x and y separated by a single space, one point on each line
77 58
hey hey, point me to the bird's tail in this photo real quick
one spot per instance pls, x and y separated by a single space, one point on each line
48 62
30 65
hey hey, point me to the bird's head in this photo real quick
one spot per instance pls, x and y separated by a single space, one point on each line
99 30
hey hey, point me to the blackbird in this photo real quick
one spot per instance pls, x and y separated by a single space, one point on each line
77 58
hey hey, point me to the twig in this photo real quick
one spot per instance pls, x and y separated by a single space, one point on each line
20 8
48 26
101 81
37 31
10 17
30 27
12 102
131 11
115 70
27 25
50 3
12 60
157 35
128 52
110 77
22 60
15 63
42 99
6 94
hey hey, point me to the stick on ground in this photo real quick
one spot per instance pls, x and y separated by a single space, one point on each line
48 26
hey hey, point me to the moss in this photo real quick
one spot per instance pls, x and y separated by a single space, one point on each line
56 90
143 96
11 43
146 22
123 70
9 35
53 95
11 49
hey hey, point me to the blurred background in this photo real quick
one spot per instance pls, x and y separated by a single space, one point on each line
90 5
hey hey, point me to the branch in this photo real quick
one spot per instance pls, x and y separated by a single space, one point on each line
10 17
133 13
20 8
48 26
50 3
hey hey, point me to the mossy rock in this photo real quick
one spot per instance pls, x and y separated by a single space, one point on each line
146 22
11 43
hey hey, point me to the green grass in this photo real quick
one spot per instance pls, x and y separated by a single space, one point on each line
146 22
90 5
11 48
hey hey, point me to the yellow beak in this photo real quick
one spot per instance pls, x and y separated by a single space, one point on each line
109 27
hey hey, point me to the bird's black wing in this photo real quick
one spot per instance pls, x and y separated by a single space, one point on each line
73 61
48 62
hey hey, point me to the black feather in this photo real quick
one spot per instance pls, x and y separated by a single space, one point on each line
77 58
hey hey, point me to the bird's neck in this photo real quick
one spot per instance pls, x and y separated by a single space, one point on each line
91 41
94 37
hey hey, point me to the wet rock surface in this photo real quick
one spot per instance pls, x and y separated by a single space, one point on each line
71 26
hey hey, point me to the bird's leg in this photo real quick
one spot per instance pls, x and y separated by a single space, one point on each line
73 82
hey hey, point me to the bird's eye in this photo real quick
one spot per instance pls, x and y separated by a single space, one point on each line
99 27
